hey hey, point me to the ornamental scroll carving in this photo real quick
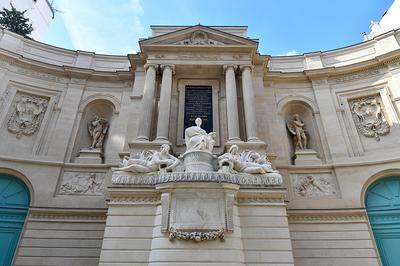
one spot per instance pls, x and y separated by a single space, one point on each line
369 117
27 115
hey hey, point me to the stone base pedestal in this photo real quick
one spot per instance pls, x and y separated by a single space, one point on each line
307 157
198 161
89 156
196 223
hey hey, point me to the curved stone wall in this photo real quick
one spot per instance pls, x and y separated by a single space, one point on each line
332 90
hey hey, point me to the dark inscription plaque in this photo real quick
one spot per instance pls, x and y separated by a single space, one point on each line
198 103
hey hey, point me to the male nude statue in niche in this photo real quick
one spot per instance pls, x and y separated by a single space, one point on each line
297 129
98 128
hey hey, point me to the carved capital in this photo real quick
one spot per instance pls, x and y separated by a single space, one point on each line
244 67
226 67
150 65
170 66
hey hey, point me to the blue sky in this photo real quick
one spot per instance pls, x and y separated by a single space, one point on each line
284 27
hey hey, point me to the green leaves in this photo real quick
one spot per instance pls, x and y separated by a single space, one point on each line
15 21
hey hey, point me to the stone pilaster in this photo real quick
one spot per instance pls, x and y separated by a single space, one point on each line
330 120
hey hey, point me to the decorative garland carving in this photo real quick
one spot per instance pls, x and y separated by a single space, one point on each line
196 236
369 118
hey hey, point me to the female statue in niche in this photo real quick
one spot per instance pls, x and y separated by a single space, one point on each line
297 129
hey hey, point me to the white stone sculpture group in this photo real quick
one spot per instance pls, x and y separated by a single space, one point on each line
249 162
198 144
150 161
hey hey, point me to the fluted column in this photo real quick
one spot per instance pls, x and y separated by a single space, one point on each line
165 103
147 107
248 102
231 103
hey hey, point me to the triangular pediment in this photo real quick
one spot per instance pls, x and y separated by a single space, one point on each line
198 35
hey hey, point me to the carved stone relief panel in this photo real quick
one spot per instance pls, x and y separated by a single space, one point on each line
369 117
198 216
82 183
199 211
27 114
314 185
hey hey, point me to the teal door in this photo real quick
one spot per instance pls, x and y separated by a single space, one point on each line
14 203
383 206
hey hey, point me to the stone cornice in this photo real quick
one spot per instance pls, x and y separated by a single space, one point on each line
342 61
327 216
68 215
256 197
60 73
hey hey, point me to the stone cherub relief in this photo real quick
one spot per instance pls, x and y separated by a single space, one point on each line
298 130
82 183
27 115
98 128
369 118
310 186
150 161
197 139
249 162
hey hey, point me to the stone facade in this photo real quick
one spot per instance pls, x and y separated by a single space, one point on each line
83 214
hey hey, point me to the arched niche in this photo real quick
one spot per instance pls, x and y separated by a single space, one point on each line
307 111
100 107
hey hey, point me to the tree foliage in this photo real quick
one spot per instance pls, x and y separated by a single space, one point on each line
15 21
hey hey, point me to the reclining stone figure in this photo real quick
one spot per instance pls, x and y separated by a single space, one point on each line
249 162
150 161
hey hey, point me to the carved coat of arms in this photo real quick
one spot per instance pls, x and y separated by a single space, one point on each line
27 115
369 118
